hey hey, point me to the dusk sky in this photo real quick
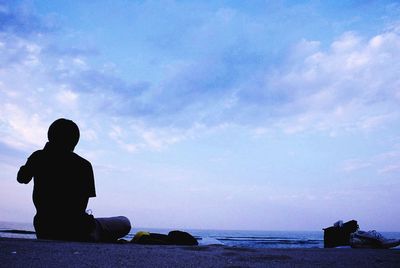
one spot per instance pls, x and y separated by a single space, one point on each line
246 115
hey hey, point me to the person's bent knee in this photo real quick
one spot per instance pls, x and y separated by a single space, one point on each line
127 224
113 228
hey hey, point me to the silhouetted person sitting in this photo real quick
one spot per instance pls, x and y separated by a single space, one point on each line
63 183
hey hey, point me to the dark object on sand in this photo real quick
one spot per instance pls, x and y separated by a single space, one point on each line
339 234
146 238
182 238
17 232
173 238
372 239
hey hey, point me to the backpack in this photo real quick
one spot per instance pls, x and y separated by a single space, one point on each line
339 234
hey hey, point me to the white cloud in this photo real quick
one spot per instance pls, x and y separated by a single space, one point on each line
355 165
27 94
348 42
21 129
80 63
382 164
135 135
88 134
390 168
67 97
159 138
352 86
119 136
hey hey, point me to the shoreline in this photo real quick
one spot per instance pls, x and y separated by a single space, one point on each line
17 252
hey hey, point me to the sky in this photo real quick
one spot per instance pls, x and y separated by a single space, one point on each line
244 115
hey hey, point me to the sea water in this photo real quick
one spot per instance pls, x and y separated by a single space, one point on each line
250 239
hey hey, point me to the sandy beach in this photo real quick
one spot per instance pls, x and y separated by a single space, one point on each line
43 253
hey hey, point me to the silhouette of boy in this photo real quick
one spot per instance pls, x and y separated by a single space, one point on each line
63 184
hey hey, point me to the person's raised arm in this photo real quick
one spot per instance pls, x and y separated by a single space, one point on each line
26 172
24 175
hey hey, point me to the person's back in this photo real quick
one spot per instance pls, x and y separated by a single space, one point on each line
63 184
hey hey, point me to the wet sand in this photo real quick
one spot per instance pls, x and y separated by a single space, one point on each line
44 253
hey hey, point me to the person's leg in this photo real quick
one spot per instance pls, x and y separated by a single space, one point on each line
111 229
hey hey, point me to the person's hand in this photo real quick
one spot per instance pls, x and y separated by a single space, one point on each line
24 175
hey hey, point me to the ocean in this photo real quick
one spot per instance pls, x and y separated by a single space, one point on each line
250 239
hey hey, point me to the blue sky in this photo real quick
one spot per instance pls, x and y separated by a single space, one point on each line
266 115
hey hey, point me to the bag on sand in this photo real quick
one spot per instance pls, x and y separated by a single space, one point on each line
182 238
371 239
339 234
173 238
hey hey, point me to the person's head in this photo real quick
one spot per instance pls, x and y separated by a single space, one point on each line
63 134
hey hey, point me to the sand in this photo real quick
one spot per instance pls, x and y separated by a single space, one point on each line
44 253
